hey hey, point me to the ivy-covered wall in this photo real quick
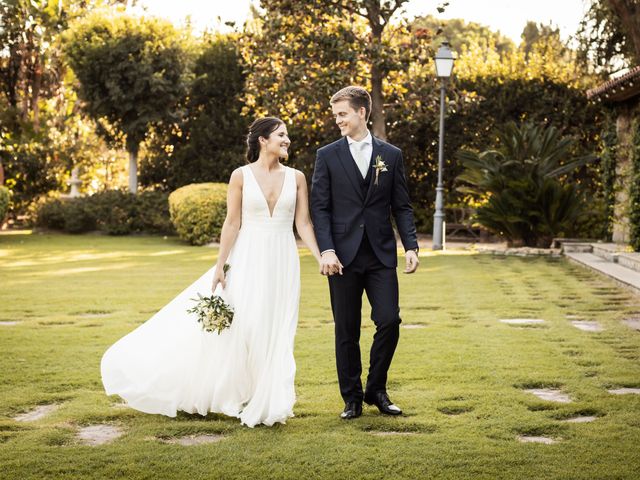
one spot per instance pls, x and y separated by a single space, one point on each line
634 189
608 154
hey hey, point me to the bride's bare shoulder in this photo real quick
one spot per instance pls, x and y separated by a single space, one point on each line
299 175
237 178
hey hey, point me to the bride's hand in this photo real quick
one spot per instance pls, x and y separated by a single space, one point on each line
218 277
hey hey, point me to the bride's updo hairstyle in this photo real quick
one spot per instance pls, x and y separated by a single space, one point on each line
261 127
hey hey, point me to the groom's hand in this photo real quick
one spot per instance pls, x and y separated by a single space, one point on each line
329 264
412 261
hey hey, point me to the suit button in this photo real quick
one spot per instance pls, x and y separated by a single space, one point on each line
361 225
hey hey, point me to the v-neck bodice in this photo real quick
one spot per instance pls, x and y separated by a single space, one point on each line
255 209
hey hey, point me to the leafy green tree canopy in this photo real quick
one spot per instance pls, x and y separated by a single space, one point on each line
131 73
609 35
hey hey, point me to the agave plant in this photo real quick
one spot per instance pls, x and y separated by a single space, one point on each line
524 185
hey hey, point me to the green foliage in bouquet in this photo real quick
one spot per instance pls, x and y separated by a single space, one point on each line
214 314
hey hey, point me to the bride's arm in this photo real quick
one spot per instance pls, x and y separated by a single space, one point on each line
231 225
303 219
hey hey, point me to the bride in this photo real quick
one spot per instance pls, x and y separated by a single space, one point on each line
168 363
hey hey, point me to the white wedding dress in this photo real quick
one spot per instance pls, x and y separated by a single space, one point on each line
169 363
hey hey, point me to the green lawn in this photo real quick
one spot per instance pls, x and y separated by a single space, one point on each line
460 379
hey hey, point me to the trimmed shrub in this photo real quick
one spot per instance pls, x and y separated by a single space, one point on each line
49 213
5 198
79 216
113 212
198 211
153 212
116 211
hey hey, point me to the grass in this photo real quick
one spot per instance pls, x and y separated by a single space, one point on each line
460 379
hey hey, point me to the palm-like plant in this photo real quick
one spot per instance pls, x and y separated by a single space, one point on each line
524 185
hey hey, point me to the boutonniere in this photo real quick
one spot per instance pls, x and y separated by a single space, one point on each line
380 166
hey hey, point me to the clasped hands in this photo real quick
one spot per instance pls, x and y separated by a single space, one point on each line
330 265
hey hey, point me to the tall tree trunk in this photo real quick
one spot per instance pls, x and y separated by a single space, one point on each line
13 72
628 11
378 117
35 92
26 71
133 169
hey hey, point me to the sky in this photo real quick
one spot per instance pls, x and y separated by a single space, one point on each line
507 16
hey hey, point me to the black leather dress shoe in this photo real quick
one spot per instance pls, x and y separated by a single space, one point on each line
351 410
381 400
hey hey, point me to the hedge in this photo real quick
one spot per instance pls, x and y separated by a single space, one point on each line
198 211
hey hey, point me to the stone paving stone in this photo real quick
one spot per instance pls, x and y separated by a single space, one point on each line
632 323
37 413
536 439
550 394
392 433
580 419
193 439
587 326
95 435
624 391
522 321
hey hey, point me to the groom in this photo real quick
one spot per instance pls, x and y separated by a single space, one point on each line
358 183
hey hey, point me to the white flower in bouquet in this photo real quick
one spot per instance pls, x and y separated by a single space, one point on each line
213 313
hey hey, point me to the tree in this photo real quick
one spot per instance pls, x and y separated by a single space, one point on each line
293 69
461 34
534 33
131 75
39 121
360 35
380 52
609 35
207 143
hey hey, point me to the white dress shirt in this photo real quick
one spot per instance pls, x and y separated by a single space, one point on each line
361 152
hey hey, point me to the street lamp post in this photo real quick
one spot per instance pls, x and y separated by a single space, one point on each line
444 65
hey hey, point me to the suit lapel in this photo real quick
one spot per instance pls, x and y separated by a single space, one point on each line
345 157
377 149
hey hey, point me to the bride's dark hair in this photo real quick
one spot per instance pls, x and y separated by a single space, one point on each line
261 127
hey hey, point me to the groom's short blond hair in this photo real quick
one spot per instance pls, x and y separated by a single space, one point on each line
356 96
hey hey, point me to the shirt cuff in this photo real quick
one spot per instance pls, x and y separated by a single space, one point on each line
328 250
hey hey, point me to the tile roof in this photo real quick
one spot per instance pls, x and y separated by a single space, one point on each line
618 89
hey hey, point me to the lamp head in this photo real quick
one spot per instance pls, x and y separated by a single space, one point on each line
444 61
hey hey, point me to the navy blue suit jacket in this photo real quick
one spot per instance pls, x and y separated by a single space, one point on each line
341 212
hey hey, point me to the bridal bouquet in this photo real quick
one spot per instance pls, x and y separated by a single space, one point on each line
214 314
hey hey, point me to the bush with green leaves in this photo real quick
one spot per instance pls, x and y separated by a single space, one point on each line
198 211
5 198
48 213
114 212
524 185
